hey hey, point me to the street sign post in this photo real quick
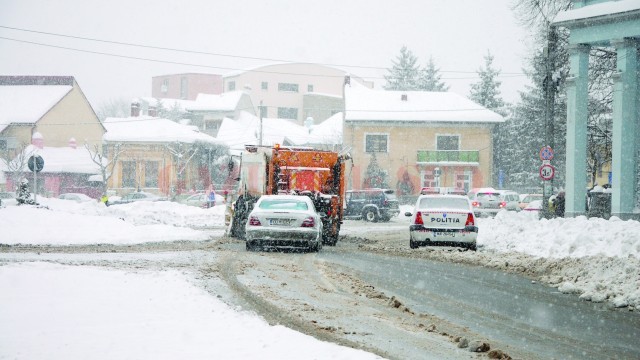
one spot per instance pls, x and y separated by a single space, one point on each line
35 164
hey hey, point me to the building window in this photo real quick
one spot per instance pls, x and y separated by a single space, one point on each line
263 111
310 88
447 142
464 180
287 113
164 88
376 143
264 85
288 87
151 174
183 87
128 174
231 86
428 179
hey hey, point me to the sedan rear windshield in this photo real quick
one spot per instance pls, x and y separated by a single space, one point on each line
443 203
488 196
278 204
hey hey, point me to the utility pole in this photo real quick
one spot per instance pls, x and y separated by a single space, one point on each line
260 135
549 84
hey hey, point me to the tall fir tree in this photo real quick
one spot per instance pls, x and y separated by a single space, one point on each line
404 73
429 78
486 91
529 121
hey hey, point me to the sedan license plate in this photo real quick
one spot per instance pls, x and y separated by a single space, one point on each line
444 234
280 222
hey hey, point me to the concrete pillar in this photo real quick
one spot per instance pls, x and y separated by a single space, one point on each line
577 112
625 128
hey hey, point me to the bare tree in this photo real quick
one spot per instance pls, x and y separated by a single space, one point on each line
182 154
103 161
16 166
536 13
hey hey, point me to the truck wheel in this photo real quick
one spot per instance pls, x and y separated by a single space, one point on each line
370 215
412 244
250 246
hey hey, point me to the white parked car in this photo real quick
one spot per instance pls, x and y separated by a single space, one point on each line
443 220
511 200
8 198
137 196
77 197
287 221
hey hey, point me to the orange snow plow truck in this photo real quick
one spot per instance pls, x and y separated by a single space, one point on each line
318 174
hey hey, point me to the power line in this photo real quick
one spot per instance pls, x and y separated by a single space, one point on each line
210 54
215 54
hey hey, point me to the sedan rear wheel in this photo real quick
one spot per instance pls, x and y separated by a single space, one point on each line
250 246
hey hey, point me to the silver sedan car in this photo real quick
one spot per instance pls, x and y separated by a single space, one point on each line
288 221
443 220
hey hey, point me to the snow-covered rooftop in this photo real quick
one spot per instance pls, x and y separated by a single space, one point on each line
26 104
599 10
227 101
245 130
364 104
151 129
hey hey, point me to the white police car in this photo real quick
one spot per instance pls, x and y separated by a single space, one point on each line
443 220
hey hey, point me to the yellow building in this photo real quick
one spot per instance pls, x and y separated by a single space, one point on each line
53 106
420 139
157 155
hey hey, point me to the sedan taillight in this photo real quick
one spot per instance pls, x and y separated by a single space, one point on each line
503 204
418 220
253 221
475 204
308 222
470 220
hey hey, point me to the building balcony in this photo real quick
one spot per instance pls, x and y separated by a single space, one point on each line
448 156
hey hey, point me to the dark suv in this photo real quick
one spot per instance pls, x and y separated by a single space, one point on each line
371 204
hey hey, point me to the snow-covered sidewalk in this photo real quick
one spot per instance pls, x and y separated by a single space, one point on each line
50 311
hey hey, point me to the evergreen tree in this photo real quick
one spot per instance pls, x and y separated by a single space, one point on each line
486 91
404 73
529 128
375 177
429 78
24 195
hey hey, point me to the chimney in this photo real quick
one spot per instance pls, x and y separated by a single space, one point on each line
153 111
347 79
135 109
403 97
37 140
72 143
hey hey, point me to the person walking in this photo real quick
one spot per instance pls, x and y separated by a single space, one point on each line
104 199
559 204
211 199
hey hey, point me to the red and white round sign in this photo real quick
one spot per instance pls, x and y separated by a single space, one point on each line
547 172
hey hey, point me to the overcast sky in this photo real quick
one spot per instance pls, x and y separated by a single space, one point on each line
366 35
